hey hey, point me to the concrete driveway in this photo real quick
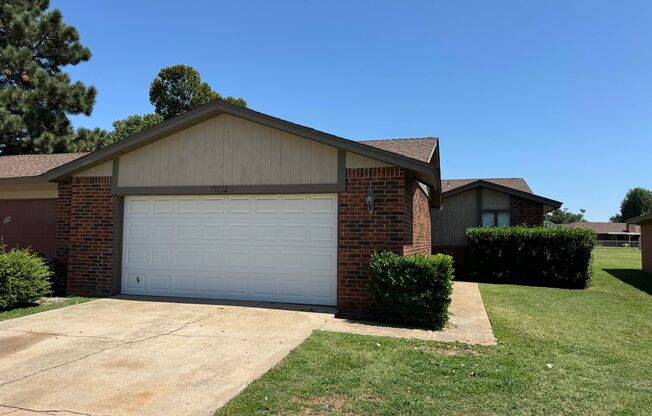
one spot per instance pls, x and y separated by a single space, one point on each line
123 356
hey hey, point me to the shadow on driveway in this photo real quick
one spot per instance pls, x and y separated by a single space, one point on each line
633 277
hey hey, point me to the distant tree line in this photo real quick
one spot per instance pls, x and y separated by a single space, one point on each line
637 201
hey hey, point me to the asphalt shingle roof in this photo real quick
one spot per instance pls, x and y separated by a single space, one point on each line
604 227
515 183
414 148
33 165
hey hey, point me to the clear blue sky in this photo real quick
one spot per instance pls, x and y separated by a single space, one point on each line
558 92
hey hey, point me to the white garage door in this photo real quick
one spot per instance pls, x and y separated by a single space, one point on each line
280 248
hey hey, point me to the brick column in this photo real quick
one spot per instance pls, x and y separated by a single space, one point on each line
90 251
418 215
400 223
63 224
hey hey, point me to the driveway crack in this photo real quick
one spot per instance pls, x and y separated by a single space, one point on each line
26 409
119 344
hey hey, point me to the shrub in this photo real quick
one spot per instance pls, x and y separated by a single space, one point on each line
538 256
413 290
24 277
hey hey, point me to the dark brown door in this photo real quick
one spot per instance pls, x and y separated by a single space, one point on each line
29 223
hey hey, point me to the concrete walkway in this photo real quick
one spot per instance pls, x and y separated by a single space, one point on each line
142 357
468 323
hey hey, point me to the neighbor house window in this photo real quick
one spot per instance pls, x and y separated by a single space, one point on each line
502 219
495 219
488 219
494 208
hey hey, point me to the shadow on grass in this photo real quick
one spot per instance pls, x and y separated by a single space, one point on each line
633 277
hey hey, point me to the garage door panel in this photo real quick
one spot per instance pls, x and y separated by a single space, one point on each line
159 281
238 207
211 284
324 205
211 259
198 231
134 279
184 284
238 231
293 260
239 286
273 248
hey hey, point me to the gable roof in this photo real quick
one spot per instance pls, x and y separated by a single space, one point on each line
516 183
512 186
603 227
426 170
416 148
26 166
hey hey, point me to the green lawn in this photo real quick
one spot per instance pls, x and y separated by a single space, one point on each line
560 352
46 305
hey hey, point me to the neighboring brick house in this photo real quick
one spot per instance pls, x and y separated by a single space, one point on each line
224 202
645 222
484 202
611 234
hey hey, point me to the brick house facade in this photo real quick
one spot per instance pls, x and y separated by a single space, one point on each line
305 232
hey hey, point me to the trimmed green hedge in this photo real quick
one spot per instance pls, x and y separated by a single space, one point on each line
24 278
414 290
538 256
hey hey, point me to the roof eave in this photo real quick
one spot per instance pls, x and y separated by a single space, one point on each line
24 180
640 219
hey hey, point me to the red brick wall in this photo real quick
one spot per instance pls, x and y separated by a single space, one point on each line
91 236
526 212
389 228
418 214
63 223
646 245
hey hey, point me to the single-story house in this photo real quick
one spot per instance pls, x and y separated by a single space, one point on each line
228 203
483 202
611 234
645 222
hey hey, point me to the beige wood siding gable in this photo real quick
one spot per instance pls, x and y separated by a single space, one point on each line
355 161
29 191
105 169
494 199
228 150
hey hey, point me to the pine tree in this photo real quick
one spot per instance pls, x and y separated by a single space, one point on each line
36 97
